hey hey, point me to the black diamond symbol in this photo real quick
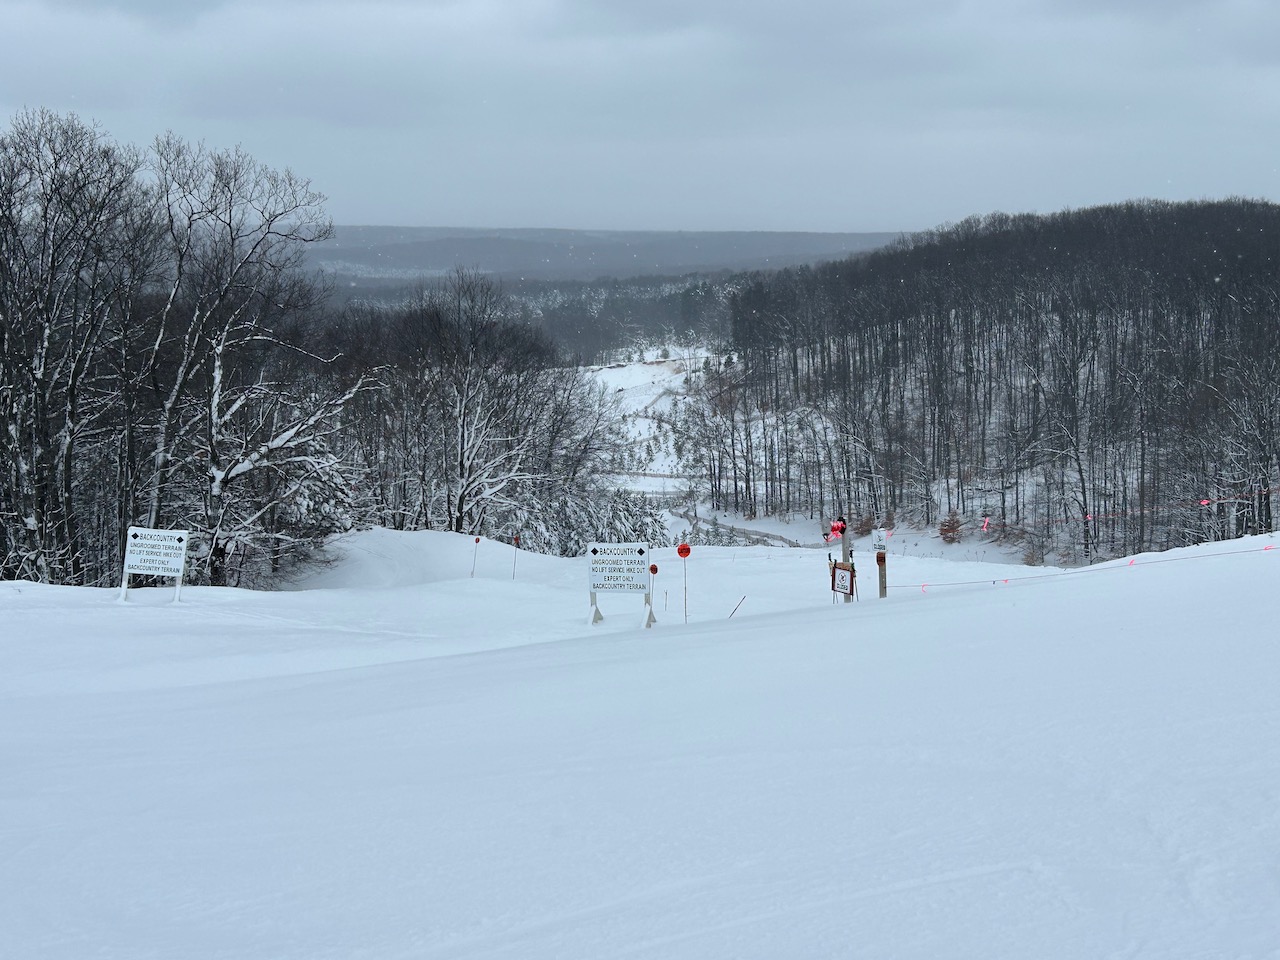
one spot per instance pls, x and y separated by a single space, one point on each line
179 539
641 551
135 536
594 551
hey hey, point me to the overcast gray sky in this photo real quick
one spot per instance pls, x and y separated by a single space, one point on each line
828 115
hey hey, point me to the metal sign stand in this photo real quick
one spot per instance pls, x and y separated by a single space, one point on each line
846 557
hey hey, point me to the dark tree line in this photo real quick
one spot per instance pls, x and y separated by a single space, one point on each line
1104 380
604 320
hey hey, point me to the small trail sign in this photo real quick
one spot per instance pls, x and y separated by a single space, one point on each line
844 578
881 542
155 553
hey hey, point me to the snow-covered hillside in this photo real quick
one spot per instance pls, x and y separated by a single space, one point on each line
424 751
650 389
646 390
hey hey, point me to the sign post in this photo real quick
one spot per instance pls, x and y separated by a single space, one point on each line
683 551
154 553
880 543
846 555
620 567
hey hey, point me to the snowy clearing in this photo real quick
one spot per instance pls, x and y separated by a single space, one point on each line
398 759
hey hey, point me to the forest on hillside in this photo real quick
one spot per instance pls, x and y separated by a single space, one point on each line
1089 383
1094 382
166 361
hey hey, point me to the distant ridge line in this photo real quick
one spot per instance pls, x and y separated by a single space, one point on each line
380 253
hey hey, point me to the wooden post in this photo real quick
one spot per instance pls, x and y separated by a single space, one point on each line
881 545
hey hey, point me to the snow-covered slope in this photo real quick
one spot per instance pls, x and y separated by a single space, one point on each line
402 758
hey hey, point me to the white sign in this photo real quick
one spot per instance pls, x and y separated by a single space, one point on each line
880 540
842 578
619 566
155 553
